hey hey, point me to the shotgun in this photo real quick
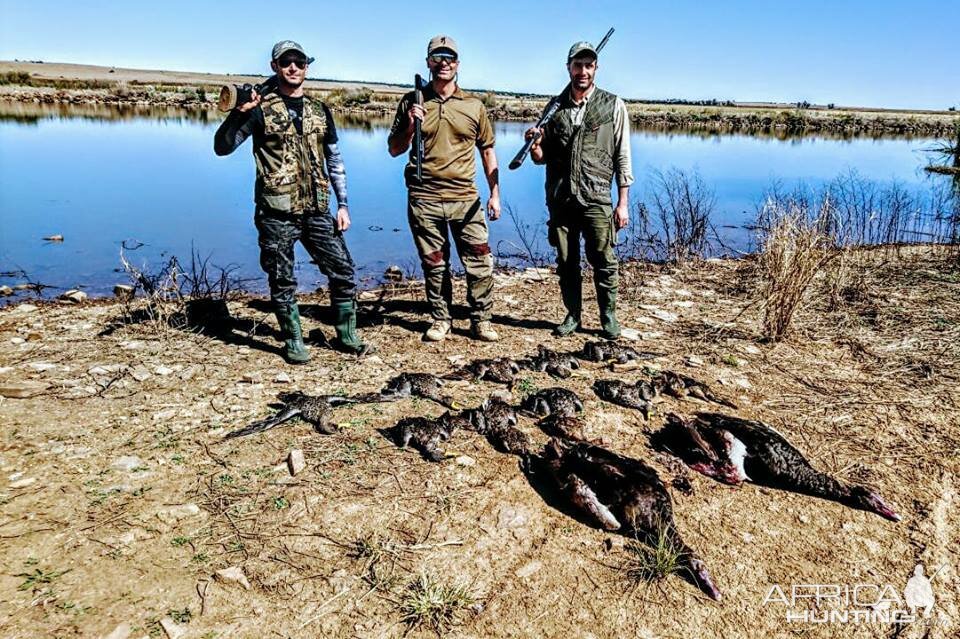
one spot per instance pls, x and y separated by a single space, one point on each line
552 107
417 131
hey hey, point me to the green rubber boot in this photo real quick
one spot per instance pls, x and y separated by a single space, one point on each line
288 316
573 301
345 323
609 326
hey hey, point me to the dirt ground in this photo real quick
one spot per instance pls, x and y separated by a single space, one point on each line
120 499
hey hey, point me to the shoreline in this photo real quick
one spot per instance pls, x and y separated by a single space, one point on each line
86 85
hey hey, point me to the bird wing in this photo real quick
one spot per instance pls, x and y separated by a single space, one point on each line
265 424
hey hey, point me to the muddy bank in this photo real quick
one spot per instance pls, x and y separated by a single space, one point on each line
123 508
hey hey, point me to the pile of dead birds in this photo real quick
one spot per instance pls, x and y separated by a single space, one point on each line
614 492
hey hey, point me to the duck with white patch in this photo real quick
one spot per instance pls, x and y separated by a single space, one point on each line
621 494
732 450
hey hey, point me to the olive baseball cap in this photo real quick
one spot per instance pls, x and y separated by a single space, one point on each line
579 48
442 42
289 45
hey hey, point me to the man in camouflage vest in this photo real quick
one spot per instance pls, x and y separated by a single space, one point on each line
297 158
454 124
584 146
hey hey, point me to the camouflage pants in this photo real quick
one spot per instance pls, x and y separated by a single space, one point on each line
320 237
429 222
595 224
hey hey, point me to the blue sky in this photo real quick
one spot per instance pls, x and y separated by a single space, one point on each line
877 53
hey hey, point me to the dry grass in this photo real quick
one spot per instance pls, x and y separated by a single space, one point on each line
793 250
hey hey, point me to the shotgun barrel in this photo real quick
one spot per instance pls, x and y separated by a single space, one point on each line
417 130
548 113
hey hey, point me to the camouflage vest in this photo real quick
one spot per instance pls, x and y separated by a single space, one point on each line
580 158
291 172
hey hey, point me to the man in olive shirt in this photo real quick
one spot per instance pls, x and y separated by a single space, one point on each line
584 146
453 125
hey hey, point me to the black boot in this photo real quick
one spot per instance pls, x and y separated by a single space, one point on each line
288 316
572 296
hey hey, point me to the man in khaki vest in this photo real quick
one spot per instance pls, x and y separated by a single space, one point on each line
454 124
584 146
295 148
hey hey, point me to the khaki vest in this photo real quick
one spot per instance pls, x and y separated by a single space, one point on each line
580 163
291 172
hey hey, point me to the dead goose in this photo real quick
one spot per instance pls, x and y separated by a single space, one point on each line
501 370
493 414
733 450
550 401
621 494
680 386
315 409
560 365
602 351
638 396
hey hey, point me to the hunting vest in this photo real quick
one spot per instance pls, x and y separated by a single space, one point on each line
579 163
291 173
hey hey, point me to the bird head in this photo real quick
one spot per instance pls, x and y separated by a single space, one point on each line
865 499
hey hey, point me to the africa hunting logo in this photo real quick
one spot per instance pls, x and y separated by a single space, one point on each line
859 603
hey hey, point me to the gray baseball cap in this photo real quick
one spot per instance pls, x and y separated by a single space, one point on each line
289 45
442 42
580 48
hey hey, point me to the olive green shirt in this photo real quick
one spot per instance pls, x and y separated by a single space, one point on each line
452 129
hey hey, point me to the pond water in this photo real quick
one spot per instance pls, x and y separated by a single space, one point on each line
99 177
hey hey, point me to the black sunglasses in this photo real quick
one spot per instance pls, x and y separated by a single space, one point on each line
283 63
440 58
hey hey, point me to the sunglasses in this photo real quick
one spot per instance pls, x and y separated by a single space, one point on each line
440 58
283 63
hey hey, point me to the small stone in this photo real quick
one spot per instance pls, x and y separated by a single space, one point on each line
282 378
163 371
127 463
664 316
173 514
683 303
804 519
131 345
140 373
682 292
123 292
465 460
74 296
511 518
631 334
23 483
6 369
747 537
22 390
648 335
123 631
106 369
693 361
529 568
41 367
6 291
295 461
251 378
647 321
26 308
173 629
232 575
17 340
749 349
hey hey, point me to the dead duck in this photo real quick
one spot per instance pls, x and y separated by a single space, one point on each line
638 396
621 494
425 434
601 351
493 414
501 370
407 385
681 386
555 364
314 409
550 401
733 450
563 427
